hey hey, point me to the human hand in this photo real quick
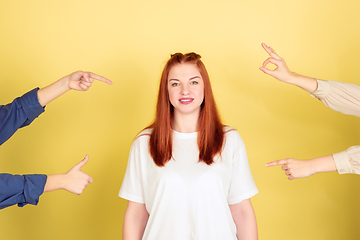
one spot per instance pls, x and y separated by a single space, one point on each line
75 181
295 168
82 81
281 72
79 80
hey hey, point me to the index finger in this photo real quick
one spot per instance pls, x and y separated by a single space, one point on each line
100 78
276 163
270 51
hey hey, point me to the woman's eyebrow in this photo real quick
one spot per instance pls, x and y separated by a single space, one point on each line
194 77
174 79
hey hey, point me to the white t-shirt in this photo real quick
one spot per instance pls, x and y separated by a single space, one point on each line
187 199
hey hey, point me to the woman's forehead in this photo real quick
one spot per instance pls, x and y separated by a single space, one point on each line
184 70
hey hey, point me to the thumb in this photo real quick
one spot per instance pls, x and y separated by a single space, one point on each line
87 76
81 164
267 71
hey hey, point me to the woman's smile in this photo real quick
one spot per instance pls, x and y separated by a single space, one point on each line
186 101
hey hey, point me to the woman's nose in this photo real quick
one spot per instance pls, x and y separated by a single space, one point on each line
184 89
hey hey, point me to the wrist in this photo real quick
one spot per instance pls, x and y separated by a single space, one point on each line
308 84
316 165
55 182
65 83
62 181
293 78
324 164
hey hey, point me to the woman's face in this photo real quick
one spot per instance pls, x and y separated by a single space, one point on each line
186 88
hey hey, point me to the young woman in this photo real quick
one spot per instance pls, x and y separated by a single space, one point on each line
188 175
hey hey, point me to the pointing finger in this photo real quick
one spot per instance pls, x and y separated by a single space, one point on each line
100 78
276 163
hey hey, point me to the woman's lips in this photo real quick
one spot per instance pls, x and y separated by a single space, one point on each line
186 101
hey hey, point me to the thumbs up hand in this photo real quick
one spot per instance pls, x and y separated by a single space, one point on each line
74 181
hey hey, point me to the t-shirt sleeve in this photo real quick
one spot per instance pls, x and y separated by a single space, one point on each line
344 98
242 184
132 185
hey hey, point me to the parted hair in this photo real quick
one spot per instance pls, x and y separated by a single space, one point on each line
210 129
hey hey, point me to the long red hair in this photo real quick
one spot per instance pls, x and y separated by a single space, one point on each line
210 129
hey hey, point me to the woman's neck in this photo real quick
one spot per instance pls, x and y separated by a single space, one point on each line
185 123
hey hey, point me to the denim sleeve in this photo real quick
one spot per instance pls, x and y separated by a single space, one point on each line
20 113
21 189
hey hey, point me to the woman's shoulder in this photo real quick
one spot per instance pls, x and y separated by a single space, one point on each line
229 131
142 139
231 134
144 133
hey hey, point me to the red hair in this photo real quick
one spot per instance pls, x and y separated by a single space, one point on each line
210 129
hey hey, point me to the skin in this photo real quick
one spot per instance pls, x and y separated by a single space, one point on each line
135 220
245 220
80 81
295 168
74 180
185 82
283 73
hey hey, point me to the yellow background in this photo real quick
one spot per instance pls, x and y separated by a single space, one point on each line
128 42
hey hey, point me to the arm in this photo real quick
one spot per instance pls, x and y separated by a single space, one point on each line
295 168
26 189
245 221
20 189
283 73
135 220
348 161
79 80
74 181
23 110
338 96
341 97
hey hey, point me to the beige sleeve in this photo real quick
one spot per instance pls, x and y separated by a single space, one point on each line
348 161
338 96
344 98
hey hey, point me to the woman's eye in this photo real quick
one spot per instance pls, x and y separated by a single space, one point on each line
194 82
175 84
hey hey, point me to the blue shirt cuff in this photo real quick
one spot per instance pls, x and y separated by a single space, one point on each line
30 103
21 189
